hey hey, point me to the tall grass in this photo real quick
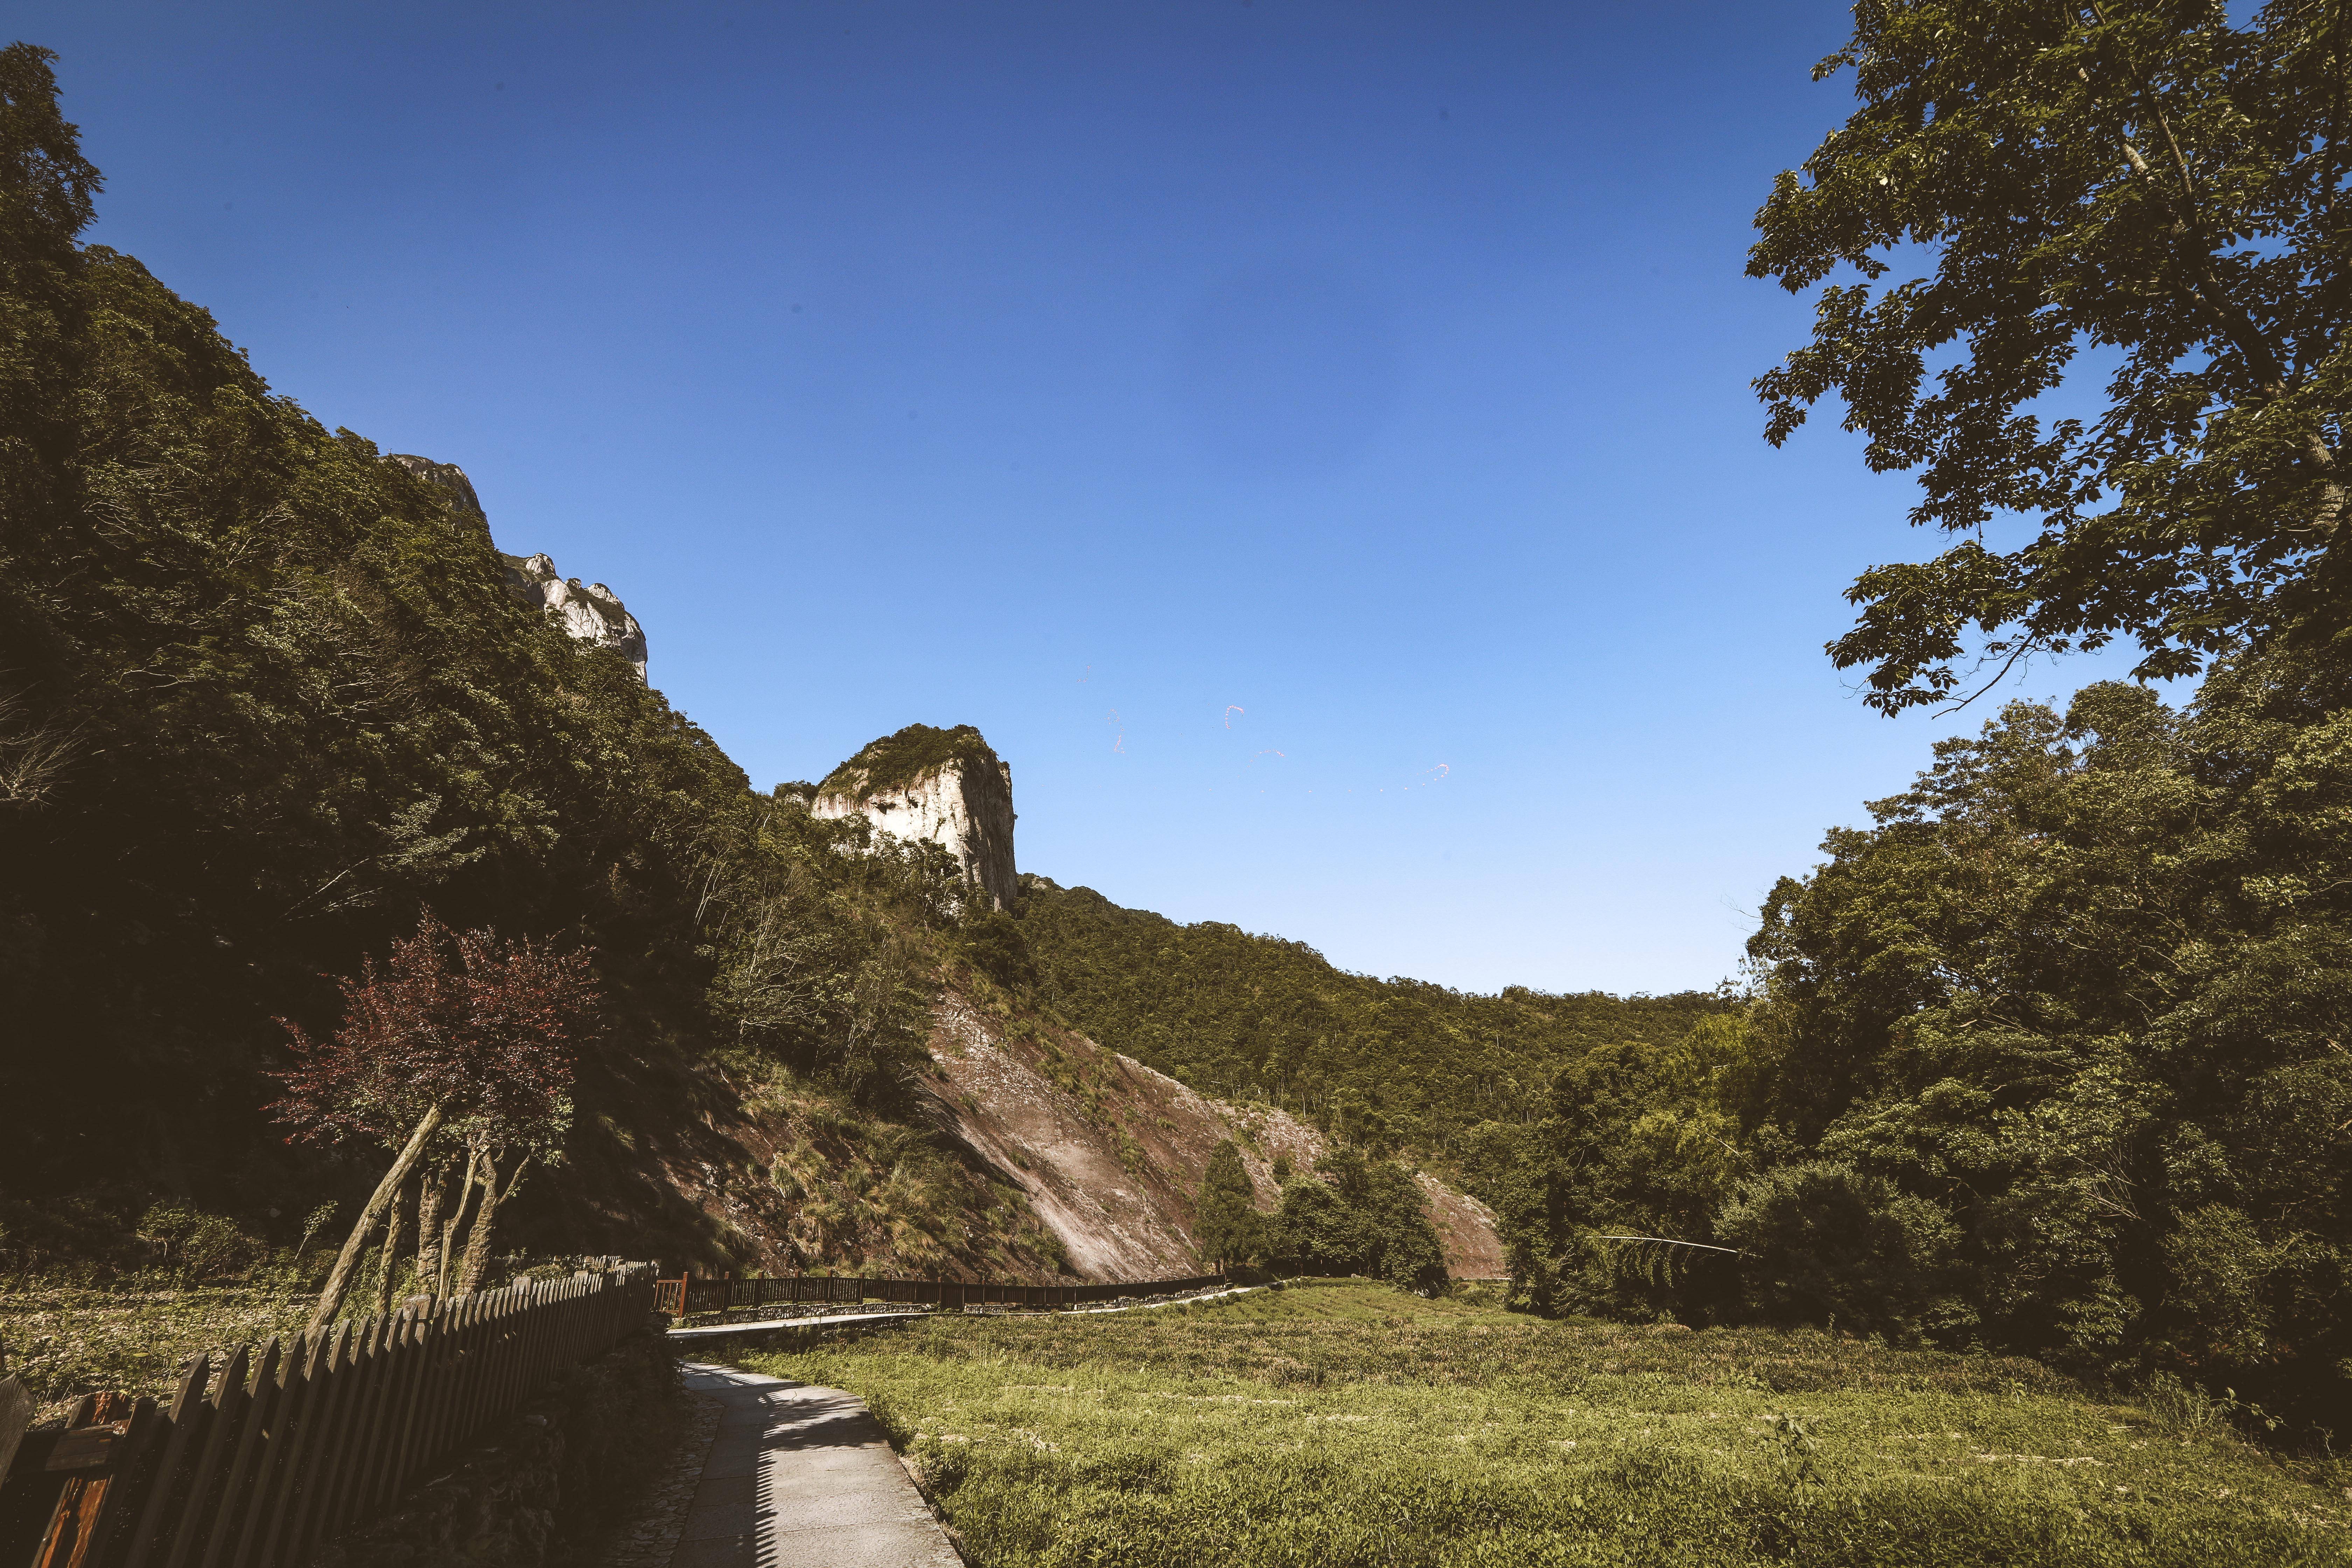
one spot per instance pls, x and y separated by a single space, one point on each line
1342 1423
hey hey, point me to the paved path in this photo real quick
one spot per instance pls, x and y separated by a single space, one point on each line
802 1477
720 1331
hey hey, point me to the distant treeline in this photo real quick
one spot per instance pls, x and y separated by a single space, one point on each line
1388 1064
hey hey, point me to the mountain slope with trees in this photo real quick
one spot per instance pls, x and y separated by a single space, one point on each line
267 709
1388 1064
264 698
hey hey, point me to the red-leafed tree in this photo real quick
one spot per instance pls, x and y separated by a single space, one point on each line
461 1036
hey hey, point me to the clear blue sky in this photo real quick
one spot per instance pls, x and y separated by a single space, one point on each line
1077 371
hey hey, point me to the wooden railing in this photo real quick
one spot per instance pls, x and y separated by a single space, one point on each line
262 1458
685 1296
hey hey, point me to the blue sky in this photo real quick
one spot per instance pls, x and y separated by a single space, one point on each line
1312 441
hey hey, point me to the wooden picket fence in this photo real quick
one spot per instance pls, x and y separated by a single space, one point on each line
264 1457
686 1294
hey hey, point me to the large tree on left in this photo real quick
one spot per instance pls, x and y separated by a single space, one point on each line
458 1030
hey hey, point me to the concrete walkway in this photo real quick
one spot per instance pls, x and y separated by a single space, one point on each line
721 1330
801 1477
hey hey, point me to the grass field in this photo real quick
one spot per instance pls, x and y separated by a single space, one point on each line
1341 1423
69 1341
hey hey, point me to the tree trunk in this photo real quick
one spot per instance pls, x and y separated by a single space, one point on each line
457 1217
477 1245
394 1225
338 1282
430 1199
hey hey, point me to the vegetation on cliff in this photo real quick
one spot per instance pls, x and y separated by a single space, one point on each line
900 758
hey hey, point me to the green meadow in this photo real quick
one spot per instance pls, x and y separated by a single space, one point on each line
1336 1423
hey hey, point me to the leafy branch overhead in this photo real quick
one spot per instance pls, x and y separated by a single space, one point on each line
2030 197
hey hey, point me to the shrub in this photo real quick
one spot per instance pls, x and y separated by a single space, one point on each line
1824 1241
1367 1216
197 1246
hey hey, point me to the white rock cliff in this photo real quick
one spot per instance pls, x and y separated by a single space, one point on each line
944 785
592 613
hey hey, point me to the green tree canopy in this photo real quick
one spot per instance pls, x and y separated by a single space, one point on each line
2050 1056
1359 1216
2035 195
1225 1224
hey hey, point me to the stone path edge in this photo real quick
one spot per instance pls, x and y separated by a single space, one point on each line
720 1331
802 1475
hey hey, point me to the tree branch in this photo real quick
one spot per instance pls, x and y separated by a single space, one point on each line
2024 648
2207 292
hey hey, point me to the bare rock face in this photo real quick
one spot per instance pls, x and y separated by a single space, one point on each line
1111 1154
944 785
591 613
448 477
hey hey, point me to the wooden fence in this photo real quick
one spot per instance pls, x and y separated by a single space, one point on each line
262 1458
686 1296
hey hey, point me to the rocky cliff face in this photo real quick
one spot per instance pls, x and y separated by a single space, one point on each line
1112 1153
944 785
592 613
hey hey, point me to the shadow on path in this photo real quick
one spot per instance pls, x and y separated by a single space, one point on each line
801 1477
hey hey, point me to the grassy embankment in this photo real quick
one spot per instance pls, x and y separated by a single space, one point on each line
1340 1423
65 1340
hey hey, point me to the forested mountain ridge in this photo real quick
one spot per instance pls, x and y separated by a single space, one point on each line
267 696
1399 1064
264 695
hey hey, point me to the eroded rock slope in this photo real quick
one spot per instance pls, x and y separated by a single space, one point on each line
1110 1153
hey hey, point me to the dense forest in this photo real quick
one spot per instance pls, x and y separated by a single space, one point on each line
1386 1064
2052 1057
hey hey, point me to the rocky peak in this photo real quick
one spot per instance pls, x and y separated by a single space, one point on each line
447 477
591 613
944 785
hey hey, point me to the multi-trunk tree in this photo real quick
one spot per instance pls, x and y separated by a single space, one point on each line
457 1048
